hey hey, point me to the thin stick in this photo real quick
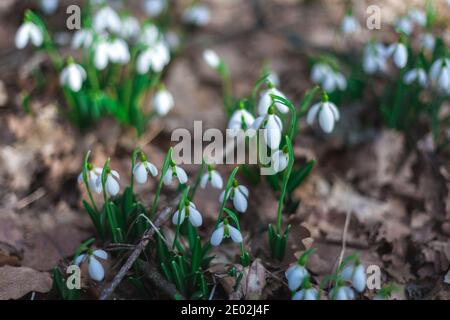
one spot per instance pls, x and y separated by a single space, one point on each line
148 234
344 236
152 274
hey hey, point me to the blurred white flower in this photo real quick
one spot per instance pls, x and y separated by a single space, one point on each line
197 15
279 160
329 79
119 51
107 20
272 128
142 169
356 275
213 177
49 6
163 102
93 174
399 54
82 38
418 17
427 41
350 24
295 276
342 293
239 194
154 8
29 32
211 58
439 74
240 119
306 294
131 29
150 34
327 113
265 101
416 75
177 172
404 25
154 58
374 58
190 211
95 268
225 230
273 78
112 186
72 76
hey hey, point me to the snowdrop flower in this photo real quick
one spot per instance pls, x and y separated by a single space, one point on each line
131 28
175 171
112 186
119 51
150 34
190 211
154 8
399 53
427 41
374 58
163 102
155 58
29 32
416 75
342 293
213 177
93 175
197 15
404 25
240 119
439 74
295 276
327 113
418 17
82 38
265 101
280 160
106 19
306 294
142 169
239 194
273 78
95 268
350 24
329 79
356 275
49 6
272 128
225 230
73 76
101 55
211 58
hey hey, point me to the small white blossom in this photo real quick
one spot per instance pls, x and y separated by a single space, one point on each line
106 19
112 186
131 29
427 41
213 177
342 293
93 175
189 210
279 160
163 102
115 51
211 58
240 119
272 128
154 8
142 169
49 6
95 268
404 25
265 101
224 230
306 294
239 194
29 32
175 171
418 17
150 34
73 76
197 15
439 74
82 39
374 58
416 75
327 113
356 275
273 78
154 58
295 276
399 54
350 24
329 79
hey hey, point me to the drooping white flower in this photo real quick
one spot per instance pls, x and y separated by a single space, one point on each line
327 113
29 32
273 78
295 276
272 128
399 54
404 25
329 79
154 8
427 41
265 101
342 293
82 38
142 169
131 29
49 6
416 75
119 51
190 211
175 171
197 15
154 58
279 160
107 20
350 24
150 34
73 76
213 177
163 102
239 194
241 119
306 294
418 17
439 74
211 58
101 55
374 58
225 230
112 186
356 275
93 175
95 268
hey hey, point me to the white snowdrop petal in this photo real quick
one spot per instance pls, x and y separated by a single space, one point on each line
96 271
216 180
163 102
265 101
272 132
79 259
152 168
112 186
211 58
22 36
334 110
100 254
235 234
168 177
240 201
359 278
295 276
312 113
400 55
195 217
326 119
177 217
204 180
311 294
217 236
140 173
181 174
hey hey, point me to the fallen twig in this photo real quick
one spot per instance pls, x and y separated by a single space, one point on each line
153 275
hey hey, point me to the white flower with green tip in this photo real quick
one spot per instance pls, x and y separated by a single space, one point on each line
95 268
225 230
190 211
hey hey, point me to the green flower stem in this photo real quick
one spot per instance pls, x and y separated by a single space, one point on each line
160 184
286 176
86 182
225 198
